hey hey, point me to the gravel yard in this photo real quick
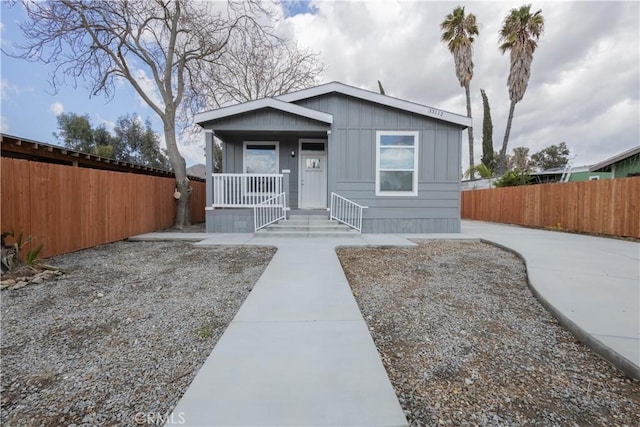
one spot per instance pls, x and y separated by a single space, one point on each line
465 342
122 333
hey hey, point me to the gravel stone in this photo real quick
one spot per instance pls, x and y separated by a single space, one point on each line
465 342
122 333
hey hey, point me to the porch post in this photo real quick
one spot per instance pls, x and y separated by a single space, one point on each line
208 147
285 185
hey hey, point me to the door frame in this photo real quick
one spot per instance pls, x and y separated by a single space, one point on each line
301 168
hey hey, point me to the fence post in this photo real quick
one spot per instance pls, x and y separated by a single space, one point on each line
285 184
208 145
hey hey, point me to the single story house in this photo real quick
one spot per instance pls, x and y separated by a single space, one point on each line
621 165
384 164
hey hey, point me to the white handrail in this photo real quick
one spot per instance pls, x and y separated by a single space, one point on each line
269 211
243 190
347 212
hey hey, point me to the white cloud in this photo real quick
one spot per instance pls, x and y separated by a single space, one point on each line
56 108
584 85
148 87
107 123
8 89
4 125
191 146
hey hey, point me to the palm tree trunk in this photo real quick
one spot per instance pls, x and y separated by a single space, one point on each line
502 166
470 132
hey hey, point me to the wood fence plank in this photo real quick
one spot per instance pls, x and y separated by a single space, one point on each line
68 208
608 207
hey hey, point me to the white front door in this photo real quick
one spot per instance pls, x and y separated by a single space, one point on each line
313 174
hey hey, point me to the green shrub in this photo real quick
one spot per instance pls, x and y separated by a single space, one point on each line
513 178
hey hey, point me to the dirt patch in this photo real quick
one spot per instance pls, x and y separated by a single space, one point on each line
465 342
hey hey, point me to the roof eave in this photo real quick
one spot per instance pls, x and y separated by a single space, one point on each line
615 159
424 110
276 104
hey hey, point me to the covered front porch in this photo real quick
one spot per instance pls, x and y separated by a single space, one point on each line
243 203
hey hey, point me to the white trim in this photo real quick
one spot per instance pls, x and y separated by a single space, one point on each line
389 101
416 139
300 166
615 159
276 104
244 153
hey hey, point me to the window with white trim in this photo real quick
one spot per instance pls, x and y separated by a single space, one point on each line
397 163
260 157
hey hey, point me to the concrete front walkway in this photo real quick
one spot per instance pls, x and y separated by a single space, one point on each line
297 353
592 284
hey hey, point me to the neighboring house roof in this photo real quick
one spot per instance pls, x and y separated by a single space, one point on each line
560 170
286 103
553 171
260 104
615 159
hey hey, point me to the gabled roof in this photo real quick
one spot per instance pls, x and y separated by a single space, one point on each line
286 103
615 159
260 104
337 87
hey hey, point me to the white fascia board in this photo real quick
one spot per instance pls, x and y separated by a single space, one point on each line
615 159
377 98
259 104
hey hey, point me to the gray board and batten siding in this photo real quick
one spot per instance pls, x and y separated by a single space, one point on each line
351 146
352 165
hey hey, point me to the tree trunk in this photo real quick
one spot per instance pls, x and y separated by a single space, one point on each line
502 164
183 187
470 132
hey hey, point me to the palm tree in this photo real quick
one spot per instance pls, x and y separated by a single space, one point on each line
519 35
457 32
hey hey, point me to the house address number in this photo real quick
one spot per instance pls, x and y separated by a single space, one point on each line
436 112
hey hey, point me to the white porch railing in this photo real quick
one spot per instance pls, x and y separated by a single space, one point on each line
235 190
347 212
269 211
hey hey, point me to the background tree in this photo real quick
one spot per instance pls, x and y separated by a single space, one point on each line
217 158
458 30
554 156
513 178
138 143
162 45
482 170
255 64
519 35
520 160
488 157
75 132
104 142
133 141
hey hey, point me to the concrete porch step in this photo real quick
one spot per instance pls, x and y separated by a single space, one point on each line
307 226
287 226
305 233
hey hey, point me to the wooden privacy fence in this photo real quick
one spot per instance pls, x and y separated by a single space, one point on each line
609 207
69 208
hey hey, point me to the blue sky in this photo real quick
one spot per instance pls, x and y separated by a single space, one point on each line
29 105
584 87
